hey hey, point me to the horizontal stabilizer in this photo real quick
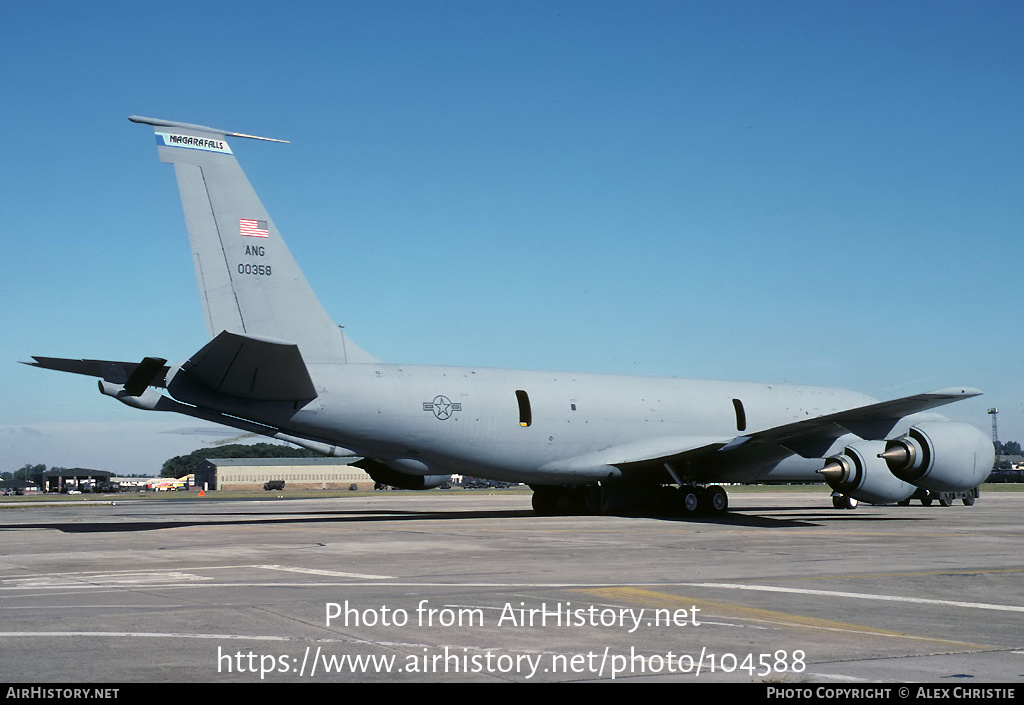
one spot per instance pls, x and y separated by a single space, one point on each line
153 370
157 122
251 368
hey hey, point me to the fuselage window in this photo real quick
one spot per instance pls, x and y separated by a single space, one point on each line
741 415
525 415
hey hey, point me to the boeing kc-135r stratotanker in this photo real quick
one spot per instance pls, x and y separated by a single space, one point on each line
276 365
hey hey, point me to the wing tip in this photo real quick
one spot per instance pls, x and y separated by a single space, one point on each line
958 392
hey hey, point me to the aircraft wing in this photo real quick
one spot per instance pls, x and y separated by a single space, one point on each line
809 438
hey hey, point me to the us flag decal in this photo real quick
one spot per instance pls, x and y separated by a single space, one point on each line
253 228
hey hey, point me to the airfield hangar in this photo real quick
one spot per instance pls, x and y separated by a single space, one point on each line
296 473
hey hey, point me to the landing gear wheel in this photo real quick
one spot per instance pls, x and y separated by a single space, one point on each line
717 500
968 499
545 501
668 500
571 500
844 502
690 500
594 500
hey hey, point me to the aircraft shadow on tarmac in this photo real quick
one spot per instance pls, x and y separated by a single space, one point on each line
790 519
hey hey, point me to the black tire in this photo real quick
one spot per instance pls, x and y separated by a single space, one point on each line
570 500
717 500
844 502
594 500
689 501
545 501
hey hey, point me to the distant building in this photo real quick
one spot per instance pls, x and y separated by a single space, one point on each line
297 473
17 487
77 479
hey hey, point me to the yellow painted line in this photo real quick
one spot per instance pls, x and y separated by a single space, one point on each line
657 599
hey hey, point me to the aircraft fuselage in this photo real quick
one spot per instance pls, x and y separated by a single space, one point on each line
533 426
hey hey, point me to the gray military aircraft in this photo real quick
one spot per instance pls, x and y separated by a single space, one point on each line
276 365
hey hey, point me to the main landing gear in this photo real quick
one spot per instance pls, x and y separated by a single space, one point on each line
946 499
842 501
667 500
926 497
702 500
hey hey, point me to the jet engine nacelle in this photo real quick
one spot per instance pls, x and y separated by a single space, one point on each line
860 473
941 455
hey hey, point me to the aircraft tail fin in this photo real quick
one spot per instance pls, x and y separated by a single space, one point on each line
248 280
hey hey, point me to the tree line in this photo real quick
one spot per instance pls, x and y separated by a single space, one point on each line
1008 448
181 465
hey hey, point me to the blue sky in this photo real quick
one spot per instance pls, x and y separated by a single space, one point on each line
805 192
